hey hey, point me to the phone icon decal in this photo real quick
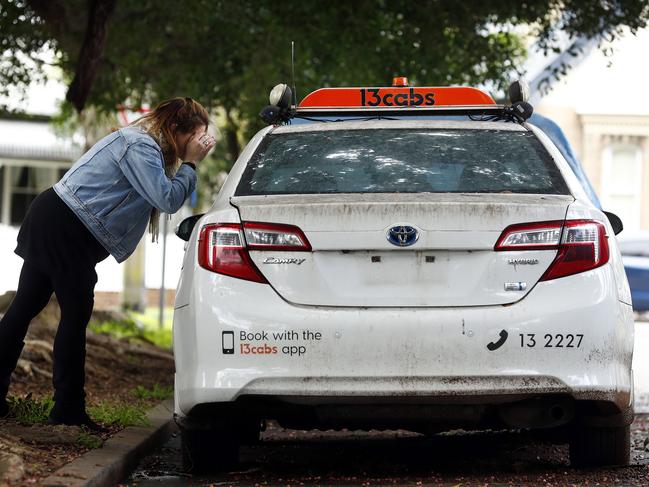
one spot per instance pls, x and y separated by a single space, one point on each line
227 339
498 343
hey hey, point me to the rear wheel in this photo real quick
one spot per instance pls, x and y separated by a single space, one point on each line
211 450
599 446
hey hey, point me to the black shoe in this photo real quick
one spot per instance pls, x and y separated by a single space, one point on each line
4 408
79 419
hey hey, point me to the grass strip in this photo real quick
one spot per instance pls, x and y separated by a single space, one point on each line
120 414
157 392
29 411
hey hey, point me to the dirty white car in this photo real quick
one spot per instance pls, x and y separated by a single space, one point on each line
400 272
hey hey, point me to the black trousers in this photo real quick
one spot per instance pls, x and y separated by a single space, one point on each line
59 255
75 294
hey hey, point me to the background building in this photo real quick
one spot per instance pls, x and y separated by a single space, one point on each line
603 106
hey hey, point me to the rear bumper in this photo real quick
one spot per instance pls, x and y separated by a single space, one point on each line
400 355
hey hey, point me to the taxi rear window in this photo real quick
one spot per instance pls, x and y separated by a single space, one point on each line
401 161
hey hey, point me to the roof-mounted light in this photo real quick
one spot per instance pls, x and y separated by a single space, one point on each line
280 96
519 90
400 81
279 109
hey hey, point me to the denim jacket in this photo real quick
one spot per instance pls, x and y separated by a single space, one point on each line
114 186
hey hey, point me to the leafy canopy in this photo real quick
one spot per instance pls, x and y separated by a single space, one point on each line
229 54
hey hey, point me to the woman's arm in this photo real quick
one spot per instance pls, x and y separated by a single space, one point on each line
143 165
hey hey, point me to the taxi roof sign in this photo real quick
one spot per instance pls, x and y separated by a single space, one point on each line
396 97
397 101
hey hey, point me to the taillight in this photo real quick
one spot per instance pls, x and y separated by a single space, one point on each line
531 236
584 246
581 245
223 247
275 236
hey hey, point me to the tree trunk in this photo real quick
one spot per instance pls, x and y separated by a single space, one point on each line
231 137
91 51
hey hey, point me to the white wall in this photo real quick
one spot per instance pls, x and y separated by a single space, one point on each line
174 260
10 263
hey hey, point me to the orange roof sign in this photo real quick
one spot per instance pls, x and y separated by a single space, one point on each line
396 97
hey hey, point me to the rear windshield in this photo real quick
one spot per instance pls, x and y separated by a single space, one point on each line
401 161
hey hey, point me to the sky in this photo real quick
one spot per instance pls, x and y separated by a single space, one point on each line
608 85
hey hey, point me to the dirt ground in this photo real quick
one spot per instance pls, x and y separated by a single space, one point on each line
114 368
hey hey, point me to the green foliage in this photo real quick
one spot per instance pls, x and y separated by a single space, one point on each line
22 43
28 410
119 414
150 318
115 328
149 325
228 55
157 392
162 338
128 329
89 441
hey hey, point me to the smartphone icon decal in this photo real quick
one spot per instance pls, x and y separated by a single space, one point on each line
227 338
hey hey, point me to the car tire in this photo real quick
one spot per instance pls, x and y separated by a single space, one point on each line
249 432
600 446
214 450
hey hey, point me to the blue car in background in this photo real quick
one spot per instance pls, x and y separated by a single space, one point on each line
635 254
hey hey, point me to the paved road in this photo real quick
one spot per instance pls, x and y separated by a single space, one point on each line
401 458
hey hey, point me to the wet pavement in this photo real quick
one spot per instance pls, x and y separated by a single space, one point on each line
289 457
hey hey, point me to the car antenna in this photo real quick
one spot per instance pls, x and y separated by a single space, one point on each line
293 72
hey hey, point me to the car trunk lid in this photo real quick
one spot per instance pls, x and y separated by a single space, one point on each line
452 262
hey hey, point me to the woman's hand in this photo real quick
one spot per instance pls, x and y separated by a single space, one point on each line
198 147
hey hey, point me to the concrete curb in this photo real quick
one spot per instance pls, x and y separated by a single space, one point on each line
114 461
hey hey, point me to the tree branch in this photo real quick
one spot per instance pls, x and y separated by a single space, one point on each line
91 51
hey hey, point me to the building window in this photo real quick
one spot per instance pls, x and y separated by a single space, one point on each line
622 183
20 184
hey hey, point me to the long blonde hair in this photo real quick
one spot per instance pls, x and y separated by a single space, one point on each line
170 117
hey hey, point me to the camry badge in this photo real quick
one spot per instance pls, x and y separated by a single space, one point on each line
516 262
275 260
402 235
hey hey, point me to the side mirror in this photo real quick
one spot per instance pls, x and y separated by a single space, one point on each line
616 222
519 91
185 227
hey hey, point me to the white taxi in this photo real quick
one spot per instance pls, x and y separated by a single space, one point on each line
402 257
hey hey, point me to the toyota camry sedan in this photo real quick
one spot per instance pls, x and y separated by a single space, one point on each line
392 266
